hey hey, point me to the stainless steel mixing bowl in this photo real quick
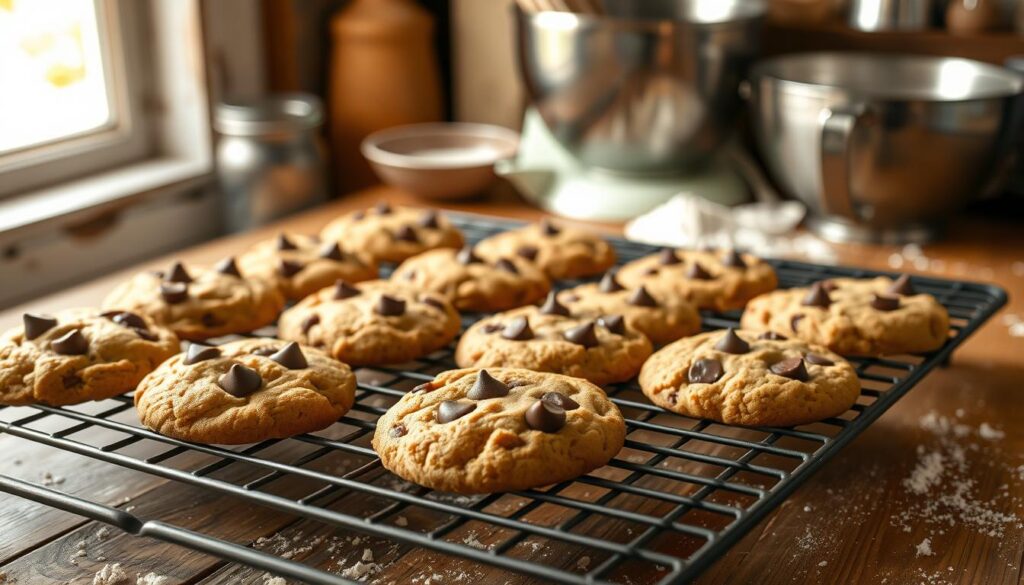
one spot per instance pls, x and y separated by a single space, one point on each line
882 147
649 87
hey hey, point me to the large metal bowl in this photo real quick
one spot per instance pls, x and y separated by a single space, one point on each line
882 147
649 87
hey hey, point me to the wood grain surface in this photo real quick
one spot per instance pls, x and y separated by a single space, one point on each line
858 520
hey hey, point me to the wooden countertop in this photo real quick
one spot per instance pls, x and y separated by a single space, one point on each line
858 520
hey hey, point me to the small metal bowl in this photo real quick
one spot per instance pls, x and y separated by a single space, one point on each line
440 160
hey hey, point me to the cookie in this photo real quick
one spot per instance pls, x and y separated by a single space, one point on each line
200 304
741 378
79 355
549 339
496 430
715 280
392 234
245 392
874 316
377 322
301 265
560 251
661 317
472 284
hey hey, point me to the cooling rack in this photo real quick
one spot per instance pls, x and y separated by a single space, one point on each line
680 493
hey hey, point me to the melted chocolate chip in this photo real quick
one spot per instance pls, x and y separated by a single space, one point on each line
732 343
389 306
397 431
705 371
283 243
429 220
551 306
406 234
240 381
291 357
264 351
518 329
144 334
290 267
424 388
383 208
450 410
545 417
344 290
818 360
486 386
36 325
667 257
733 259
642 298
228 266
584 335
177 273
902 286
128 319
492 327
436 303
795 322
817 297
773 336
697 272
609 283
528 252
885 303
211 320
71 343
466 256
792 368
549 229
198 352
506 265
614 323
332 251
174 292
560 400
309 322
651 271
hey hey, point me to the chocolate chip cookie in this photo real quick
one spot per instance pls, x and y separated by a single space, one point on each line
500 429
377 322
550 339
473 284
79 355
245 392
743 378
715 280
560 251
392 233
874 316
661 317
301 265
200 304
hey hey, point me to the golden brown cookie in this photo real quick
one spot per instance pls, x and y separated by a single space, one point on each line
741 378
716 280
200 304
854 316
496 430
301 265
548 339
79 355
377 322
560 251
472 284
392 233
661 317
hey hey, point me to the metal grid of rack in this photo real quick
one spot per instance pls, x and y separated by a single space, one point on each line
680 493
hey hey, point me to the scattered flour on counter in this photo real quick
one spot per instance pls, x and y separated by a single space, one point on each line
269 579
987 432
583 563
111 574
102 533
401 521
473 541
924 549
152 579
360 570
823 564
48 479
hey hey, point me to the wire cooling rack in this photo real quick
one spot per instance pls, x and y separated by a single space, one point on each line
680 493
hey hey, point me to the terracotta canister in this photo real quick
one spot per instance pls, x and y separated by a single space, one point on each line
384 73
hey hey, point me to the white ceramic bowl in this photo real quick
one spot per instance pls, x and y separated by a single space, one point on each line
440 160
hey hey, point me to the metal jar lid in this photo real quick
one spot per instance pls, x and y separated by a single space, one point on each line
275 114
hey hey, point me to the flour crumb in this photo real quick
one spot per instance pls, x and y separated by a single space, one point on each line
401 521
583 563
367 555
960 413
473 541
360 570
48 479
989 433
102 533
924 549
152 579
111 575
269 579
823 564
807 509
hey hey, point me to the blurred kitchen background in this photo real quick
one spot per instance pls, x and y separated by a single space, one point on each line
131 128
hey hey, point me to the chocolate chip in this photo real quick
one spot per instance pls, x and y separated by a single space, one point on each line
697 272
128 319
705 371
211 320
291 357
551 306
264 351
791 368
650 271
817 296
344 290
227 266
283 243
429 220
885 303
795 322
144 334
240 381
902 286
560 400
436 303
406 234
466 256
609 283
732 343
506 265
584 335
174 292
528 252
450 410
486 386
389 306
383 208
309 322
177 273
829 285
36 325
198 352
71 343
733 259
424 388
332 251
614 323
667 257
818 360
290 267
518 329
642 298
772 336
397 431
545 417
549 229
492 327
